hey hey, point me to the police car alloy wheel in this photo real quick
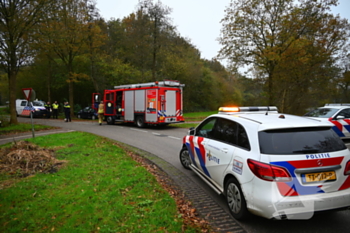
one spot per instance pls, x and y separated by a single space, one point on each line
235 200
185 158
93 117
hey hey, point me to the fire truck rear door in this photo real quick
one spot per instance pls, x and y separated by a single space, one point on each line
140 101
129 105
170 105
152 105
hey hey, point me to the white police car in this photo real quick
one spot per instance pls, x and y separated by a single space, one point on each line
25 108
270 164
337 114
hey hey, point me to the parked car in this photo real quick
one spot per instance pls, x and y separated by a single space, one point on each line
336 114
87 113
273 165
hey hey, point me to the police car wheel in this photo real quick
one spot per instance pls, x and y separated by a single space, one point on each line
235 200
185 158
79 116
93 117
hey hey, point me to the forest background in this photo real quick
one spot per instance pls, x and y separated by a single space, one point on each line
296 53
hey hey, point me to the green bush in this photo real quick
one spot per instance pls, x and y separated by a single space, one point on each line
4 117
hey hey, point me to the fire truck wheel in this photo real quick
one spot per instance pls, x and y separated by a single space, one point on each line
110 120
140 122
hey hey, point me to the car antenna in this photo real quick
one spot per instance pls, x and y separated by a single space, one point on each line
267 111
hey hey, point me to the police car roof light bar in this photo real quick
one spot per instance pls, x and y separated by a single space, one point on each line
248 109
336 104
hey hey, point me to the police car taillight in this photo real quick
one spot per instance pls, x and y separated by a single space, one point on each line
269 172
347 169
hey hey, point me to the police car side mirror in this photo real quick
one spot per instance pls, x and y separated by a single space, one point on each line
339 117
191 131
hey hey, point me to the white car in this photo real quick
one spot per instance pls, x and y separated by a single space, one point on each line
337 114
25 108
273 165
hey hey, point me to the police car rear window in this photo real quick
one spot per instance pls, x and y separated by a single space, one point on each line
299 141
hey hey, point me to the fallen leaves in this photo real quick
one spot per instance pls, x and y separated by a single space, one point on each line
24 159
185 208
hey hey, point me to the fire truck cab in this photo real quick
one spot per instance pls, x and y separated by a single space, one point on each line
155 103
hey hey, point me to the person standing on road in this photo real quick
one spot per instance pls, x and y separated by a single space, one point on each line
48 109
67 111
55 110
100 112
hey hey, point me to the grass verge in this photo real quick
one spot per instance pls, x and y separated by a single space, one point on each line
184 125
197 116
100 189
192 119
23 127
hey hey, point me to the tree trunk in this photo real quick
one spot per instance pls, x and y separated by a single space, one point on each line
270 90
70 86
49 81
154 60
93 76
71 96
281 109
12 89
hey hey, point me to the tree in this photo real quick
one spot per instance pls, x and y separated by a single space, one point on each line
96 40
66 32
17 21
160 24
264 33
4 88
136 44
344 82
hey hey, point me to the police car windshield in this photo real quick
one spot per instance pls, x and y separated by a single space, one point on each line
322 112
299 141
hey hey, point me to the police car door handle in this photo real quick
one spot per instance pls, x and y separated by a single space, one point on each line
225 150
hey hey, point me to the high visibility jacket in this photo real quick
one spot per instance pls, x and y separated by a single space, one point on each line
66 108
100 109
55 106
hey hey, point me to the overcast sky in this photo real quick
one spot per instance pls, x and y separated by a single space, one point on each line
198 20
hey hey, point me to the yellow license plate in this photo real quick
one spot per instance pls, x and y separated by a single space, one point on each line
319 176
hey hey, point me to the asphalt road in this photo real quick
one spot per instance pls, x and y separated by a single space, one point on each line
165 143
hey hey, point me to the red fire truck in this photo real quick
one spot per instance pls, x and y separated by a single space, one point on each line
155 103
